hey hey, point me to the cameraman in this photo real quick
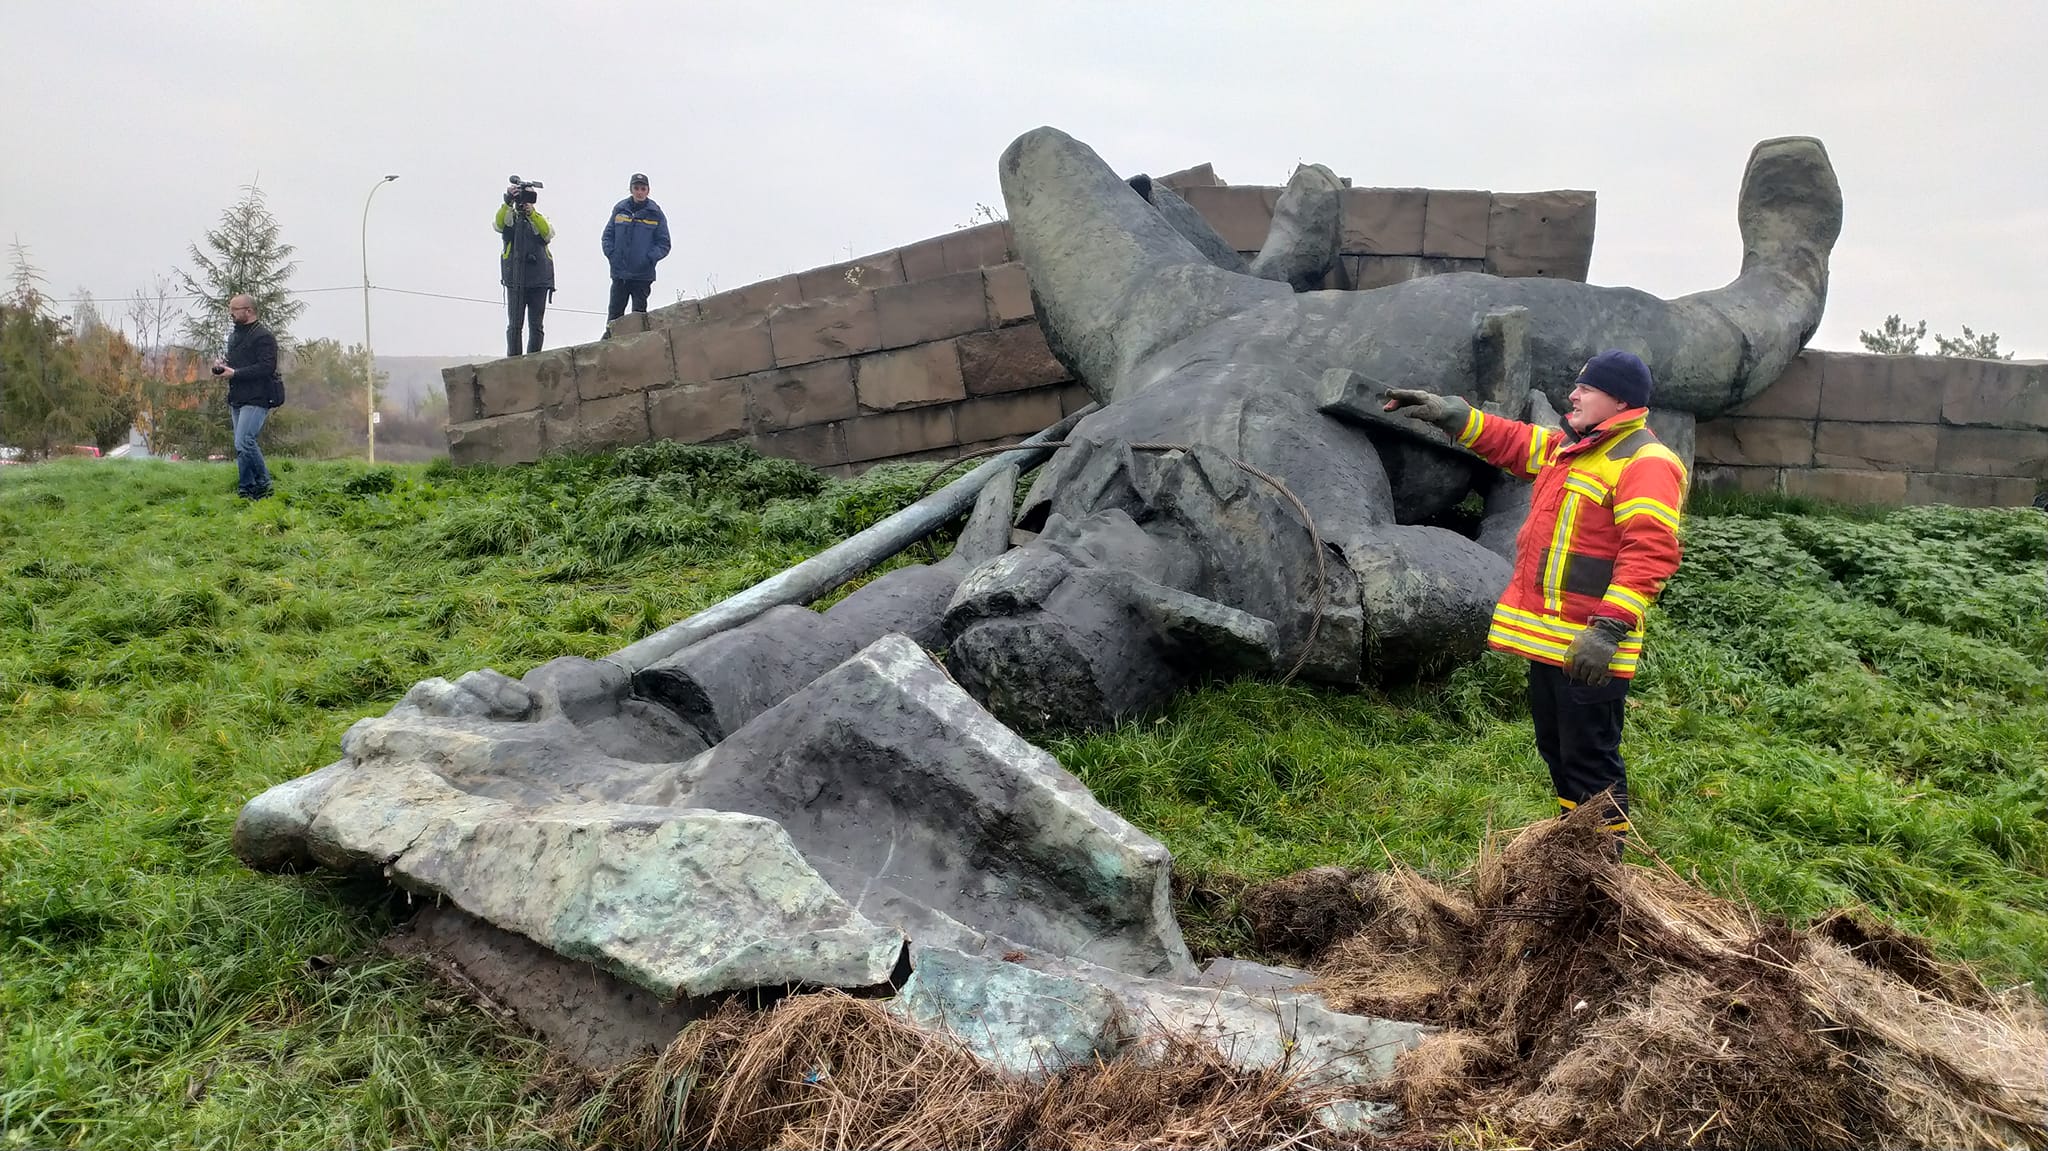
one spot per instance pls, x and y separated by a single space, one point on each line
525 266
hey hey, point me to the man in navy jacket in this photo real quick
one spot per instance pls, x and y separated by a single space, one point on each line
635 239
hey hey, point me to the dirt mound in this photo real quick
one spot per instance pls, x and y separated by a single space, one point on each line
1594 1004
1583 1004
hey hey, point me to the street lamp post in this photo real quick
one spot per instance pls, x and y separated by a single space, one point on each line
369 358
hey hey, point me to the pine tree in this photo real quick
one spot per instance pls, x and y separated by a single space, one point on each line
243 256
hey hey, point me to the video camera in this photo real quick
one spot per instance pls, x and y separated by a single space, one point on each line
522 191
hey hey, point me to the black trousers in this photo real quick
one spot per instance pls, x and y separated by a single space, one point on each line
1578 734
524 307
623 289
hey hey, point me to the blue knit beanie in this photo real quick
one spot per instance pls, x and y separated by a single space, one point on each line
1621 375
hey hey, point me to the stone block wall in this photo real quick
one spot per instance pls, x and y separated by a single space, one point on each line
930 350
1858 428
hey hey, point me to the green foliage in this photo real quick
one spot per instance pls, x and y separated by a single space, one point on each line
58 387
1834 710
1895 337
166 652
244 255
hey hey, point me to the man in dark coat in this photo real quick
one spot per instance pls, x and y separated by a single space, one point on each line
635 239
254 387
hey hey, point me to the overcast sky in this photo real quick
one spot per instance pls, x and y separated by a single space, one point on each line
784 135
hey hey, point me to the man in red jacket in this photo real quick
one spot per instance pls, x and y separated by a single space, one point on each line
1600 542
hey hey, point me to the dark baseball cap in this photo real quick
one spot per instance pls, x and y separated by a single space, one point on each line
639 180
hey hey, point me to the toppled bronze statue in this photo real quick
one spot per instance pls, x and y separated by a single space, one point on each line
1150 570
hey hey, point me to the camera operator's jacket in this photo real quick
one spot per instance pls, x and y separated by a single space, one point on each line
635 239
525 261
1601 537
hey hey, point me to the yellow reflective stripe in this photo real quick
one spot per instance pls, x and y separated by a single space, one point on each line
1473 422
1622 826
1616 594
1567 804
1646 506
1539 448
1560 543
1554 626
1517 642
1587 486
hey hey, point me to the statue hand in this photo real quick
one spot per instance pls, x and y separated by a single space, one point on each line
1446 412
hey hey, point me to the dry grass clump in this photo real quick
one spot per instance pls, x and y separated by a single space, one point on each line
1593 1004
1583 1004
830 1070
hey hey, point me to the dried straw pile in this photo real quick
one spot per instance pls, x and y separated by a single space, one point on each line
1588 1003
830 1070
1584 1004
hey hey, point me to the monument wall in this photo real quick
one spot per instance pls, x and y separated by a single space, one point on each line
931 350
1858 428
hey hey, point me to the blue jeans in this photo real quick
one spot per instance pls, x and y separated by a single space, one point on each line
251 476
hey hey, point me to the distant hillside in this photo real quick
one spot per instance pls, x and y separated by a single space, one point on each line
416 376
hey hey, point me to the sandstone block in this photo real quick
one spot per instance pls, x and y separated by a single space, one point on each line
727 347
1011 414
892 434
1008 360
1754 442
460 384
1541 234
1996 393
1008 289
971 249
507 386
924 260
924 310
1455 223
1074 397
623 364
844 279
695 413
819 445
1843 486
909 377
1384 221
1969 491
671 315
824 329
1202 175
632 323
1992 452
1874 447
1796 394
1730 478
604 424
513 439
1881 389
1241 215
793 397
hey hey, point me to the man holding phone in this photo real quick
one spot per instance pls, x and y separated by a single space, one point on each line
254 387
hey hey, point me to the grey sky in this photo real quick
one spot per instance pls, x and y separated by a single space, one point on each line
780 136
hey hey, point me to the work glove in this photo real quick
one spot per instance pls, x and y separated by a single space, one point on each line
1587 659
1446 412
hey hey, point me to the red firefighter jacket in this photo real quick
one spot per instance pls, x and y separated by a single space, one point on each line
1601 537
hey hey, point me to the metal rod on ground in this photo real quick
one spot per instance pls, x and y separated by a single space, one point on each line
818 575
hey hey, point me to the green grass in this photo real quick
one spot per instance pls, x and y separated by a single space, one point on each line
1836 708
